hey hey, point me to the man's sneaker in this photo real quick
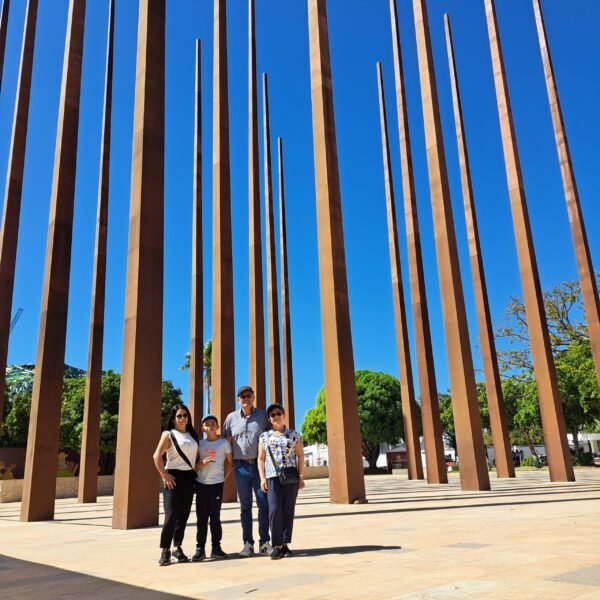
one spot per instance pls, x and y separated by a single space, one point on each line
247 550
165 557
199 555
217 552
179 556
277 552
266 548
286 551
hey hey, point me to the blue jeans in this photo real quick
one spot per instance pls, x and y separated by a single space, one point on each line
246 480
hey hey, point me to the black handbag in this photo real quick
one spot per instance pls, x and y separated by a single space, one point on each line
287 475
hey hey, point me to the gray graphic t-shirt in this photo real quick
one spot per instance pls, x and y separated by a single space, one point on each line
215 471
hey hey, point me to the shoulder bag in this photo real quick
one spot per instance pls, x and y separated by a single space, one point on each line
180 452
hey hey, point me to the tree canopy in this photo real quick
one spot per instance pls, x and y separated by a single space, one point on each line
379 411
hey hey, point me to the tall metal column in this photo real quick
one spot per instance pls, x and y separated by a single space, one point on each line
197 304
90 441
500 434
409 406
346 479
272 302
4 12
223 370
467 421
9 231
553 423
286 333
430 413
39 485
583 257
255 290
136 482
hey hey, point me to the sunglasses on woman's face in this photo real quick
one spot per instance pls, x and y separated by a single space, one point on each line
181 416
276 414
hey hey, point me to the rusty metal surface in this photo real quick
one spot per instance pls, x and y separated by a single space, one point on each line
493 386
409 406
275 395
39 484
553 423
286 333
9 231
255 289
430 412
136 481
585 268
346 478
467 421
90 440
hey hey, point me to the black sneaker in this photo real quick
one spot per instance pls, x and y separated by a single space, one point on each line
286 551
179 556
217 552
165 557
199 555
277 552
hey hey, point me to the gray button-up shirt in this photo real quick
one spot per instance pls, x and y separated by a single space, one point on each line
244 432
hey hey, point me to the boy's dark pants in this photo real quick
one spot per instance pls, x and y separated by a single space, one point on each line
208 506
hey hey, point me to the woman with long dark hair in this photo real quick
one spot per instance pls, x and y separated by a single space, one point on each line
180 443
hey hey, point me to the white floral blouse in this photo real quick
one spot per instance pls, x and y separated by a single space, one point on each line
283 448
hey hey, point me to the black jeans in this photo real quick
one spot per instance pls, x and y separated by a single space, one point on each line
208 506
282 506
177 503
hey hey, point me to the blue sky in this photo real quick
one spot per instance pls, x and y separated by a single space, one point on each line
359 36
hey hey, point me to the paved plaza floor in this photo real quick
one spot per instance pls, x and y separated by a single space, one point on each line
525 539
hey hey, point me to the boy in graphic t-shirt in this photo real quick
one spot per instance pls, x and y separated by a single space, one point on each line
215 466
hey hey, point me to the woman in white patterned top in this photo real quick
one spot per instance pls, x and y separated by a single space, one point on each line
278 449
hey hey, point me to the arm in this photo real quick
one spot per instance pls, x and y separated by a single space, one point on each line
228 465
163 445
261 468
299 448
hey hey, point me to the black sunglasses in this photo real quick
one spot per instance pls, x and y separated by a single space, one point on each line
249 395
181 416
276 414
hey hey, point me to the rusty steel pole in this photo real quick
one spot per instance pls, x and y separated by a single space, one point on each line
553 422
90 441
4 12
435 460
467 420
11 212
255 290
409 405
136 481
39 485
223 367
346 478
272 303
493 386
286 333
197 304
587 278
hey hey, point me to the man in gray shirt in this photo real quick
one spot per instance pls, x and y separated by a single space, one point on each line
243 428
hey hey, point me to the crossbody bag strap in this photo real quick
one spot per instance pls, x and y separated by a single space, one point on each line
187 460
272 458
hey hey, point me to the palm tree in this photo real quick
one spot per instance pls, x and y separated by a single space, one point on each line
207 369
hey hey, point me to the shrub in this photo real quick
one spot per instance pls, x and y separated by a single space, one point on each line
583 459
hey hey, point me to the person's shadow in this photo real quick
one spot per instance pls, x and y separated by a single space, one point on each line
342 550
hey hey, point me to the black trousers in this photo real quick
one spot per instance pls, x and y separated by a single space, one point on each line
177 503
282 506
208 506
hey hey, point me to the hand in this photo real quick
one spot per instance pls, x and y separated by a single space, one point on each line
168 481
301 484
263 485
207 460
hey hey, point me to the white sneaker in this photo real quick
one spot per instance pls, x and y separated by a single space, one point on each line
266 549
247 550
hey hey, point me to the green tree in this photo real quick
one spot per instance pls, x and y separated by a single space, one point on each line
206 370
379 412
15 426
